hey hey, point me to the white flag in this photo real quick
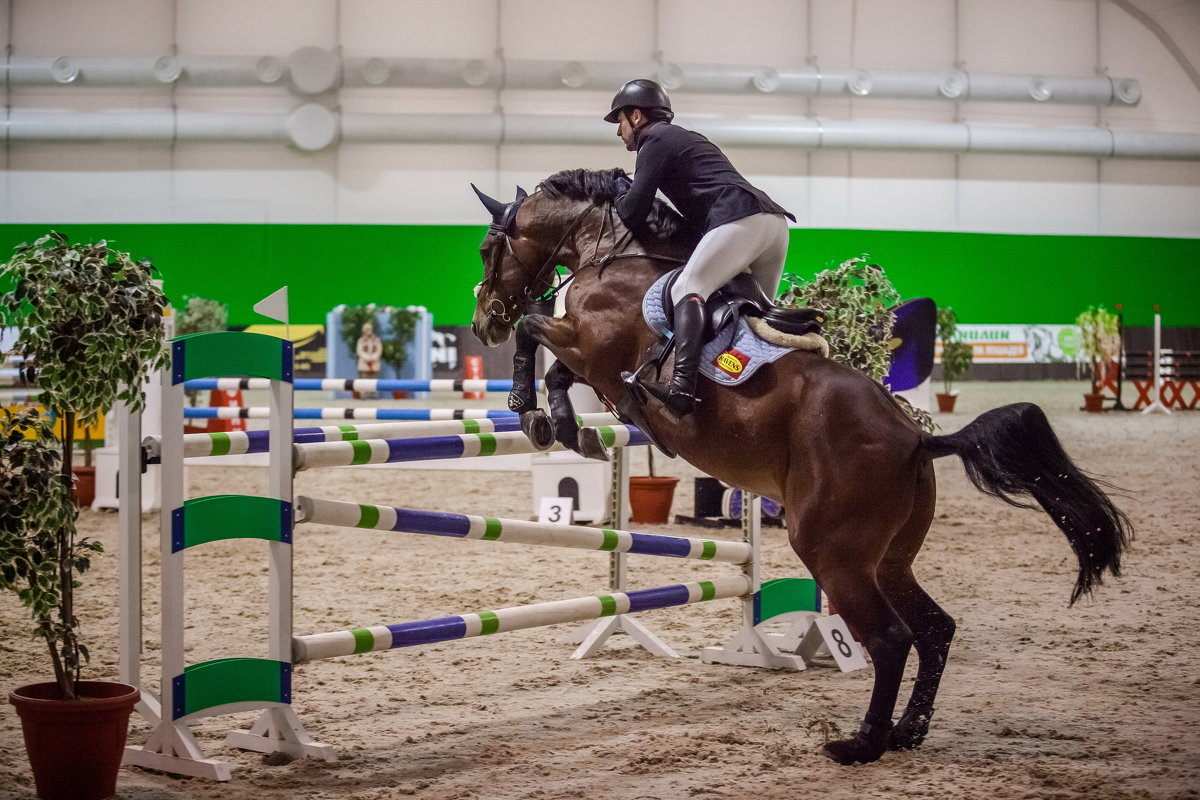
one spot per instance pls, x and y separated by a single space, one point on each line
274 306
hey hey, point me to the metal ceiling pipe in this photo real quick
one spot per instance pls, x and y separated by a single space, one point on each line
163 126
423 128
63 70
530 74
313 127
234 71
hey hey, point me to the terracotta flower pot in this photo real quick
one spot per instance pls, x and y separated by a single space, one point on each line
85 486
1093 403
946 402
75 746
650 498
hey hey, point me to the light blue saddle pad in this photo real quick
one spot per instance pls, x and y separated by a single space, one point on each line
733 356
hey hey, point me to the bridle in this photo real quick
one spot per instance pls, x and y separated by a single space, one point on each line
542 288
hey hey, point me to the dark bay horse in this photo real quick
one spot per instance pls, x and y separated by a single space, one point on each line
853 472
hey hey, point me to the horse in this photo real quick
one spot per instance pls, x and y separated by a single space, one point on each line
851 469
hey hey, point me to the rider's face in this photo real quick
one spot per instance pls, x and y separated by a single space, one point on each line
625 128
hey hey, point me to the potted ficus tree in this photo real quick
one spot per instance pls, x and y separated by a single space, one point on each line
857 298
90 320
402 324
1100 344
957 357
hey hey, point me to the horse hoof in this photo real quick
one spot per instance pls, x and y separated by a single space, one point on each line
868 744
910 731
858 750
591 446
538 428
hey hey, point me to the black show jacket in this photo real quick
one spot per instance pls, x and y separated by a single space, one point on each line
695 176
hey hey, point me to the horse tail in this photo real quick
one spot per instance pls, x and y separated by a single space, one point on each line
1012 453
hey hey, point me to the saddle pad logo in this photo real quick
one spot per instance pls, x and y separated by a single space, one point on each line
731 361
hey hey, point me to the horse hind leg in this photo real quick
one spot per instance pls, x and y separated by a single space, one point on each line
932 628
843 560
888 640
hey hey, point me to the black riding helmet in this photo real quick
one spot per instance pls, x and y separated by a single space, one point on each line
640 93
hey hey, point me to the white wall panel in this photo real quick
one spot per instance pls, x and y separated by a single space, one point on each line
832 24
261 182
720 32
881 204
1150 198
886 35
1150 211
87 183
255 27
387 185
109 28
578 29
1033 36
1036 195
829 201
419 28
903 191
528 164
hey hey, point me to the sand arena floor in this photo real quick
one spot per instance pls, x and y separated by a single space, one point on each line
1039 700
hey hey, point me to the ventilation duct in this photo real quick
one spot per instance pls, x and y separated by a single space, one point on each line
313 70
313 127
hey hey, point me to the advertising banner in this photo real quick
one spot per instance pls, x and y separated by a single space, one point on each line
1020 344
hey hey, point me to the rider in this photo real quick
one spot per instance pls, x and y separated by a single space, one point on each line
744 229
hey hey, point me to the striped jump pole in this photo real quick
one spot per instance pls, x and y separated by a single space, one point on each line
232 443
467 526
386 637
390 451
360 414
357 385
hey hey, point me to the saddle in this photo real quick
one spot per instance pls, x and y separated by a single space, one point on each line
740 314
743 297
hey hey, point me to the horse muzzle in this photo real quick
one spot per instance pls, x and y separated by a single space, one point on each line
490 329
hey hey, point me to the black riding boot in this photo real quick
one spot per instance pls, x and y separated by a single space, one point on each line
680 395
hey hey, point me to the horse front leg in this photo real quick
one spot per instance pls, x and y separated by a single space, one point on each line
522 398
559 379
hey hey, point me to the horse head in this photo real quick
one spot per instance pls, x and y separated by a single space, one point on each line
503 294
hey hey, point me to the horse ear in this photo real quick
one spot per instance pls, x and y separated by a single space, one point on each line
521 194
494 207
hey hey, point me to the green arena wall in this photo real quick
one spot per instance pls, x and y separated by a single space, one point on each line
987 278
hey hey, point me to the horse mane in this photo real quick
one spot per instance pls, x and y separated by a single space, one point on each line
600 186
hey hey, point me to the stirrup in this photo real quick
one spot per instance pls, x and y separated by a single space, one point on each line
631 409
676 405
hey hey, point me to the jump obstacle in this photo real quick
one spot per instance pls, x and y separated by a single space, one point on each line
239 684
1162 375
350 413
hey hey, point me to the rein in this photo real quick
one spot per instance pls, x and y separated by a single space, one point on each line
548 290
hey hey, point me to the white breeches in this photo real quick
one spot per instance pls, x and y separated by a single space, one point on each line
757 244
